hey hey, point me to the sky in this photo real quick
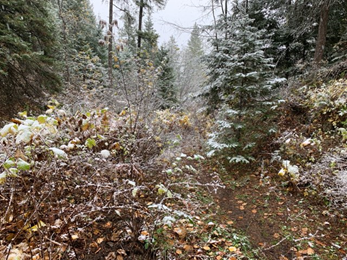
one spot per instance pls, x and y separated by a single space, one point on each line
177 19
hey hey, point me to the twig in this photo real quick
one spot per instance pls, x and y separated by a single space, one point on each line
278 243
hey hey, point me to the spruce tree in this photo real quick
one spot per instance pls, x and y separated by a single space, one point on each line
240 84
79 33
193 69
166 79
27 53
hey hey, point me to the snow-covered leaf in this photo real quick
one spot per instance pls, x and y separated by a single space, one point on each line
9 129
24 136
58 152
105 153
23 165
3 176
9 163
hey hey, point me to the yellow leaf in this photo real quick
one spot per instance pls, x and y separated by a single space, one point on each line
74 237
100 240
23 114
85 127
179 252
38 226
206 248
123 113
232 249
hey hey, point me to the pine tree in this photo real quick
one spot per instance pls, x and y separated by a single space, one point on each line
27 53
240 84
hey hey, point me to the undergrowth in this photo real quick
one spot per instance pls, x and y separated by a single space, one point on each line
90 185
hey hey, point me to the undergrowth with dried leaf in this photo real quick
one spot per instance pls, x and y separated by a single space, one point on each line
90 185
313 141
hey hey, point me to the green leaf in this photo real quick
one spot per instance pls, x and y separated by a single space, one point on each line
9 163
90 143
13 172
23 165
169 171
42 119
169 194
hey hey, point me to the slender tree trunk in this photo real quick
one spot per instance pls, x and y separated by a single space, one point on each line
322 33
110 43
246 6
65 40
215 23
222 6
139 36
226 17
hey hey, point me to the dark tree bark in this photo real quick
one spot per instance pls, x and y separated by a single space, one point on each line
139 37
65 40
322 33
110 43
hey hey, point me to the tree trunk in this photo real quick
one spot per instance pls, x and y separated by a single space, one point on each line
110 44
65 40
215 24
139 36
322 33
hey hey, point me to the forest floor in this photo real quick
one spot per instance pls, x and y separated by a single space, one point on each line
280 221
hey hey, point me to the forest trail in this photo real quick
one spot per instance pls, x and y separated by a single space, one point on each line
279 221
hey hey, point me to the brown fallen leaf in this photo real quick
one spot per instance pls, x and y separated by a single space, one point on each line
188 248
276 235
304 231
310 251
181 232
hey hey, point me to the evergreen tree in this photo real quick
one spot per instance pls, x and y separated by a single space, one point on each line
192 71
166 88
128 31
79 33
150 38
195 45
145 4
27 53
241 84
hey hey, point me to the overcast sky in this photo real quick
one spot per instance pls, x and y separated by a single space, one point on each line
176 19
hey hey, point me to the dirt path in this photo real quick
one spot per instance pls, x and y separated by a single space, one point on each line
281 223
